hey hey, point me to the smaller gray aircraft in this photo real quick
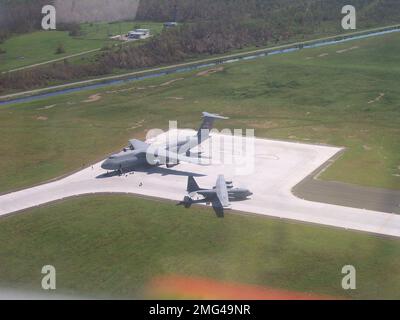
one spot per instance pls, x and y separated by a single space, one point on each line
219 196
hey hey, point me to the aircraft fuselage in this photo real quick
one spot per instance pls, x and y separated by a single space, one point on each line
126 159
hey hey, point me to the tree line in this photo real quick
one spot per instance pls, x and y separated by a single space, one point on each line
310 10
20 16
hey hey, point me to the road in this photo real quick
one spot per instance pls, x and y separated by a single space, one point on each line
52 61
278 168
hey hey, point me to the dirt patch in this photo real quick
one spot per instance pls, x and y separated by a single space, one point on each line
175 98
47 107
41 118
93 98
346 50
317 129
323 55
377 99
209 289
367 148
138 124
210 71
263 125
171 82
121 90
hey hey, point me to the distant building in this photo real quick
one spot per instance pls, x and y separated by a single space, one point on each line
139 34
170 24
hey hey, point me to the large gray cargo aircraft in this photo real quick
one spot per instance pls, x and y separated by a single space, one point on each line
170 154
219 196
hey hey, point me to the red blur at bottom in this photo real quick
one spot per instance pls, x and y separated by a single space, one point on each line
208 289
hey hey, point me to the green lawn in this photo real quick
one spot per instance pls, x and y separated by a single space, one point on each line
349 99
41 46
114 245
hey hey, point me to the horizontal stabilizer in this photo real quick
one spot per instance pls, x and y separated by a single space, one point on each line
213 116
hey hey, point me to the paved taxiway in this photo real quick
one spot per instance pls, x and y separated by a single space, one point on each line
278 167
348 195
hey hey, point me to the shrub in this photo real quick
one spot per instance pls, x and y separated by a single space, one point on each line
60 49
106 47
74 29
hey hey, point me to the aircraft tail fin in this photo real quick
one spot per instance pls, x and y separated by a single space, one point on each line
207 125
192 185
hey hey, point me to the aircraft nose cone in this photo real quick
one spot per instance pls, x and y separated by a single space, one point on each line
107 165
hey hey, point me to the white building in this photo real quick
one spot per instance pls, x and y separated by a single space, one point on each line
139 34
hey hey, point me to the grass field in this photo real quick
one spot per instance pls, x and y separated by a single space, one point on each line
350 98
346 95
115 245
41 46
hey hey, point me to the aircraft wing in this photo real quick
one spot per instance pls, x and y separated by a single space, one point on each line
166 156
194 160
137 144
218 208
222 192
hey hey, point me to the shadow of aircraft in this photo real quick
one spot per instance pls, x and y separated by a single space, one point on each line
219 211
151 170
